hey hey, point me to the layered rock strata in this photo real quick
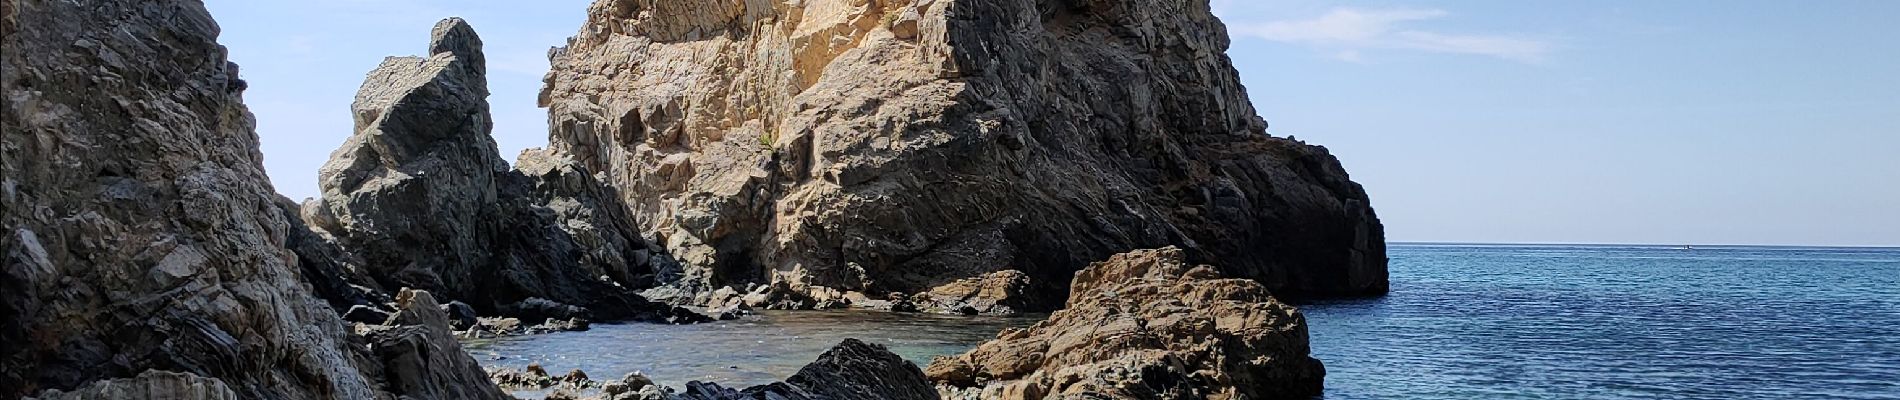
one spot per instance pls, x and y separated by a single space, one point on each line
419 197
144 252
896 146
1147 325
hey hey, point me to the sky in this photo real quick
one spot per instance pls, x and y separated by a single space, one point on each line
1654 122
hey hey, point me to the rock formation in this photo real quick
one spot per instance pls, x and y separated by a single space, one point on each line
854 370
144 254
1147 325
895 146
419 197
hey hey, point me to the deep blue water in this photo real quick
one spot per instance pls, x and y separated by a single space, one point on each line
1619 322
1462 322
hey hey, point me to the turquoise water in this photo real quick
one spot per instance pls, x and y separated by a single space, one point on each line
1629 322
1462 322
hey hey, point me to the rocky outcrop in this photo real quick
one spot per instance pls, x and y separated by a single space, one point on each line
419 197
996 293
144 254
414 345
895 146
854 370
1147 325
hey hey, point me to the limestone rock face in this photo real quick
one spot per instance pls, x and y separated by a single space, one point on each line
895 146
1148 325
419 197
144 252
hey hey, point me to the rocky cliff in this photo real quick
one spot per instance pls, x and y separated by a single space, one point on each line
898 145
419 197
144 249
1147 325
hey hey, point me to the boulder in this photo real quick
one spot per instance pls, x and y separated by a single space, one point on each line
421 357
1148 325
997 293
898 146
853 370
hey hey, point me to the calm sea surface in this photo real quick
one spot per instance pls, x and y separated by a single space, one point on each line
1603 322
1462 322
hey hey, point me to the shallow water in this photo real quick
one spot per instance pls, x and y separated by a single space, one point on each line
756 350
1462 322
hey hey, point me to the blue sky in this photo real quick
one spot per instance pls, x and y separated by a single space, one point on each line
1670 122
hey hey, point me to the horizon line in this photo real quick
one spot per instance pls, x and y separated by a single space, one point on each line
1608 244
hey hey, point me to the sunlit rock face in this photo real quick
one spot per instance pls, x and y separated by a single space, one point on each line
867 145
1147 325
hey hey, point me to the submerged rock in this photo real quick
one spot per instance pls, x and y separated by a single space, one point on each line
1148 325
145 254
894 146
419 197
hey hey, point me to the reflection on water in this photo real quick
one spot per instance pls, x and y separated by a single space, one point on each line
756 350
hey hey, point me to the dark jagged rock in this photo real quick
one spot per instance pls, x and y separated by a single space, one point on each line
1148 325
897 146
421 197
336 275
144 252
853 370
417 346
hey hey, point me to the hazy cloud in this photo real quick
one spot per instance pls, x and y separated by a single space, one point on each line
1345 32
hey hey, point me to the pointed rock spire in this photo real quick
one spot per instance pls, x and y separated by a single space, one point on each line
456 37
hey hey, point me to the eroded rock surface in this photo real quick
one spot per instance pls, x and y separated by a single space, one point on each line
896 146
145 252
1147 325
419 197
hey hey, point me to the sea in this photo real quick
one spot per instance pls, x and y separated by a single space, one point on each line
1463 321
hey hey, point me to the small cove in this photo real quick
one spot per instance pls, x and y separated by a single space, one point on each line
757 349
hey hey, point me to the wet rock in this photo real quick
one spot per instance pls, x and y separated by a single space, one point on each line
144 252
635 381
533 378
461 315
1148 325
900 146
420 197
